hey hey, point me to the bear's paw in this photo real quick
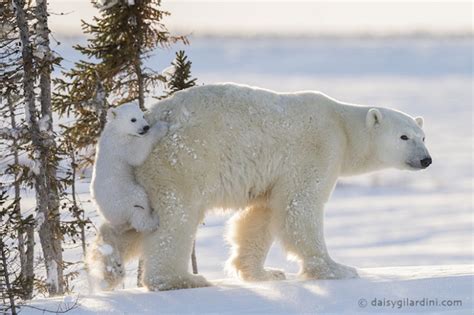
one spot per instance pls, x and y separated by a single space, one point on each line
175 283
329 270
267 274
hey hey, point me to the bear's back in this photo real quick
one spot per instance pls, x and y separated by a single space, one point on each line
216 102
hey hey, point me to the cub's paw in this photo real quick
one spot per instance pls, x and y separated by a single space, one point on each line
143 221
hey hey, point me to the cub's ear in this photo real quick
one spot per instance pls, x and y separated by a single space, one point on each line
374 117
111 114
419 121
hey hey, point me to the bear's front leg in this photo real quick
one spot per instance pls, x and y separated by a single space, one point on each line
104 261
168 249
302 235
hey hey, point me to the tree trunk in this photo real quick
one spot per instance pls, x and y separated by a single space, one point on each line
46 194
75 211
53 253
16 186
100 101
138 67
26 255
30 259
140 81
193 259
140 273
6 276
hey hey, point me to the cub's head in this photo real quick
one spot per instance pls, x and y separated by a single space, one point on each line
399 140
128 119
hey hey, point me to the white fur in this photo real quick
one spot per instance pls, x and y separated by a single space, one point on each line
107 255
275 156
121 201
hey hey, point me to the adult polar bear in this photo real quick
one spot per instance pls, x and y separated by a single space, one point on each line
274 156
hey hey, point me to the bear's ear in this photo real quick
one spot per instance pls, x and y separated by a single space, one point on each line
111 114
374 117
419 121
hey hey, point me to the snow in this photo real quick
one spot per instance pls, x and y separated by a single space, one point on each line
106 249
397 287
408 233
35 163
43 123
39 220
27 115
168 72
5 132
105 4
52 273
40 52
69 299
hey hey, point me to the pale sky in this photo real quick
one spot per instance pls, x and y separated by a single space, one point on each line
290 17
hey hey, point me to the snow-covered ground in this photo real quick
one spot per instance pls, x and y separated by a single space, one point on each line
378 222
380 290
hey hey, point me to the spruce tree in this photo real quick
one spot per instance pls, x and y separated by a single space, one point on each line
12 142
11 280
180 74
121 38
7 276
37 60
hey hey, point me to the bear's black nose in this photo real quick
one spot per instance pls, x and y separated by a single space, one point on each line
426 162
146 128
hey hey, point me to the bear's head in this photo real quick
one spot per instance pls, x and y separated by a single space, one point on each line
399 140
128 119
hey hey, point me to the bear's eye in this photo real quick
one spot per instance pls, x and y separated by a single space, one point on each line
423 139
133 120
404 137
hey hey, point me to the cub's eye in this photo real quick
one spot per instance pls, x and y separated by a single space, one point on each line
133 120
423 139
404 137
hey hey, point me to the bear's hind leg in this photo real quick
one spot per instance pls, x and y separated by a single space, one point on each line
168 249
251 238
106 257
104 261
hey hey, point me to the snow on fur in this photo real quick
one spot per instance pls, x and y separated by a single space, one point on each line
124 143
276 155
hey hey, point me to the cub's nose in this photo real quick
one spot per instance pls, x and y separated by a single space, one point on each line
426 162
146 128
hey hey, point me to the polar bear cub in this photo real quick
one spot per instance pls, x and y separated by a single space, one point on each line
125 142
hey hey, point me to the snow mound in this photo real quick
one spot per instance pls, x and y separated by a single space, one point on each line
426 289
